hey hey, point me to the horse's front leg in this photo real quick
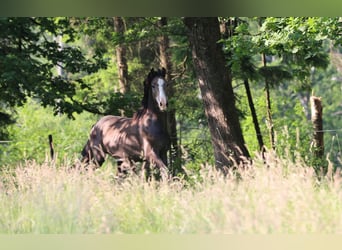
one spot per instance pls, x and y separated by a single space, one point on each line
126 167
154 159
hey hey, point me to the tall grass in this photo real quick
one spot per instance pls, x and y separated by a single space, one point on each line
282 197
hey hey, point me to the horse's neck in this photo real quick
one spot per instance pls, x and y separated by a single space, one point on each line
152 105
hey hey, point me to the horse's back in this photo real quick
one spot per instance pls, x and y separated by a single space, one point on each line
119 136
99 130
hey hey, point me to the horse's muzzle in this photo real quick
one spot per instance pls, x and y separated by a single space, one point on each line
163 106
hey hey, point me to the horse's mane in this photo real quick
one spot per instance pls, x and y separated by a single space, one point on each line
147 86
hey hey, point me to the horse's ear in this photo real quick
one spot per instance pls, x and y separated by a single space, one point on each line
163 72
150 75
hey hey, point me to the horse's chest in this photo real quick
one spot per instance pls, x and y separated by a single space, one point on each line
154 131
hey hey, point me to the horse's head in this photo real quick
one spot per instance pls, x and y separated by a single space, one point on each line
157 84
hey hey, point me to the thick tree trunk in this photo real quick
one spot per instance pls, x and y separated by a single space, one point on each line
121 60
217 93
165 61
164 54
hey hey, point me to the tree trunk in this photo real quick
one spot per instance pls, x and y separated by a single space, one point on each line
268 106
254 116
164 54
121 60
165 61
217 92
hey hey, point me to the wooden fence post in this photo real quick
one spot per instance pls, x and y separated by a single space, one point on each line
52 152
318 135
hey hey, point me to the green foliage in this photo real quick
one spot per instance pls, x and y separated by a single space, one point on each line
297 40
327 85
29 135
29 55
295 49
246 120
102 98
293 129
195 143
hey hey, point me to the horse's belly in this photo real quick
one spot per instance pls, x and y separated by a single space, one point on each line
126 150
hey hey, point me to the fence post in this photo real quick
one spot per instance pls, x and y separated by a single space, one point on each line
318 134
52 152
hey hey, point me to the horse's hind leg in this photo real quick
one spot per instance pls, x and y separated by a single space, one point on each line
146 170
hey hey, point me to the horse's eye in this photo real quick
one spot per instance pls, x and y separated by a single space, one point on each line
153 86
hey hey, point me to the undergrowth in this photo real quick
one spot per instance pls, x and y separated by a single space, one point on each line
281 196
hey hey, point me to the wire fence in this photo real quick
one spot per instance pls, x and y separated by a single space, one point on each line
188 136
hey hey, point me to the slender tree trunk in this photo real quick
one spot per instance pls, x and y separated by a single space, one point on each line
165 61
121 60
268 106
254 116
217 92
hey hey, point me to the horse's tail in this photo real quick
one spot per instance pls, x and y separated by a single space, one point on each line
92 154
86 153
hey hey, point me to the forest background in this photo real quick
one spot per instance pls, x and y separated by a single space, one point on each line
59 75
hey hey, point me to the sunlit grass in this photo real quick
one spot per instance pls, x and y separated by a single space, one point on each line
283 196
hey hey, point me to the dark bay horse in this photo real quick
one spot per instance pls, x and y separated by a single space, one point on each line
143 137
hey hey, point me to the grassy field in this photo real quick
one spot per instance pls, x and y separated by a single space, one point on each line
283 197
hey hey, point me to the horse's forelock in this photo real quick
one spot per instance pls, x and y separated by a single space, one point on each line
162 72
150 76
